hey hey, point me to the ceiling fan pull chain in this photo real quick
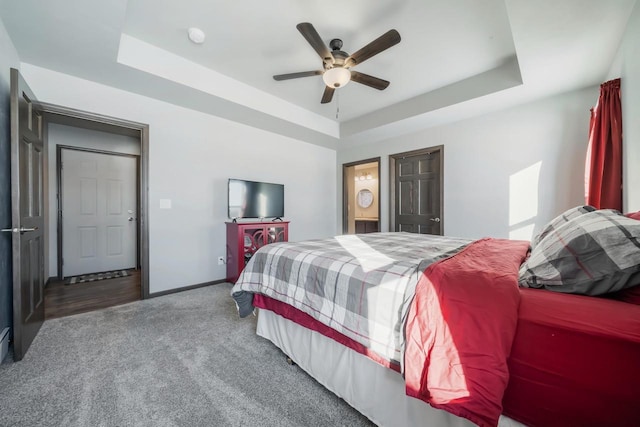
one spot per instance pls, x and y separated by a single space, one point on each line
337 104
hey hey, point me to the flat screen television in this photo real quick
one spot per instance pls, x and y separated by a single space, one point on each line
251 199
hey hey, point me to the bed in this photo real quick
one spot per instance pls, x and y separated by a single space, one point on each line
389 321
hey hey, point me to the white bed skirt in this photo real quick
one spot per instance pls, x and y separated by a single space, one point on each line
375 391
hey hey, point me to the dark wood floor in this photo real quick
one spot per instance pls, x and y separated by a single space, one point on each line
64 300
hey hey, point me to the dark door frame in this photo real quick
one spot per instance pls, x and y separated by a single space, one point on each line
345 195
59 149
93 121
393 158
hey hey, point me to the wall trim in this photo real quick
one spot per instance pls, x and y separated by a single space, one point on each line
186 288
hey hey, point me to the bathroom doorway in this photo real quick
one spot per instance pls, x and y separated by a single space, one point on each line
361 197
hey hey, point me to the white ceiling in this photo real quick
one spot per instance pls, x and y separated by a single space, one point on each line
457 58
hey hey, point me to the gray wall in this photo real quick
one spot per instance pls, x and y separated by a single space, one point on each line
506 173
630 86
626 66
191 157
8 59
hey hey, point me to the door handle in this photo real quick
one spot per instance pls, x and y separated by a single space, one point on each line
434 219
19 230
130 218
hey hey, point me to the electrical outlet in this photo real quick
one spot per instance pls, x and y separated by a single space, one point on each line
221 260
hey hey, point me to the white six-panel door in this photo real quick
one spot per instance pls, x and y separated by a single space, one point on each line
99 220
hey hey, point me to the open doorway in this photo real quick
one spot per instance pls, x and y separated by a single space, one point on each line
361 197
97 202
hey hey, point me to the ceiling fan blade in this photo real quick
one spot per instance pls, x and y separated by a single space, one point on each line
327 96
297 75
311 35
384 42
368 80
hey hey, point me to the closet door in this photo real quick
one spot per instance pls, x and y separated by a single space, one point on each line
418 189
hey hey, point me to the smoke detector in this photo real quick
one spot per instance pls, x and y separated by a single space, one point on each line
196 35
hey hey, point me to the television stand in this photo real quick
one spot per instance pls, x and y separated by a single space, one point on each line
245 238
277 219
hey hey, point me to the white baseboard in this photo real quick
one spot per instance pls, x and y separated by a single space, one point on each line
4 344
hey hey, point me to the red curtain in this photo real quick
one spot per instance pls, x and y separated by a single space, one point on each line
603 172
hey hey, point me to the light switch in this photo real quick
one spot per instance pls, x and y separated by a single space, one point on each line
165 203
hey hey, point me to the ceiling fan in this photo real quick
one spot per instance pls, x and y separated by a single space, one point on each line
337 64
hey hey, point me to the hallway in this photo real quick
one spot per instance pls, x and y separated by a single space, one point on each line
64 300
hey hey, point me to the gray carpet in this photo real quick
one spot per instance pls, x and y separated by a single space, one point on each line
184 359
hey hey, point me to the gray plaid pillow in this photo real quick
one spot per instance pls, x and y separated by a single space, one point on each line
592 254
560 220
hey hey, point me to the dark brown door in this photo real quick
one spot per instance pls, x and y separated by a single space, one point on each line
27 159
418 193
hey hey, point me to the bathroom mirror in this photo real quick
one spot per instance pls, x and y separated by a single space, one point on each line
364 198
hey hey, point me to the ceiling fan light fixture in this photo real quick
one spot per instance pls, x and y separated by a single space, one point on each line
336 77
336 63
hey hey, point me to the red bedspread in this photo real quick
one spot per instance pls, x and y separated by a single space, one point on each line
460 329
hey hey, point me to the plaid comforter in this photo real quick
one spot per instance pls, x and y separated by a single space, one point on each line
359 285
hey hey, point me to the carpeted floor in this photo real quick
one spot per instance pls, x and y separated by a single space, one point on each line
184 359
